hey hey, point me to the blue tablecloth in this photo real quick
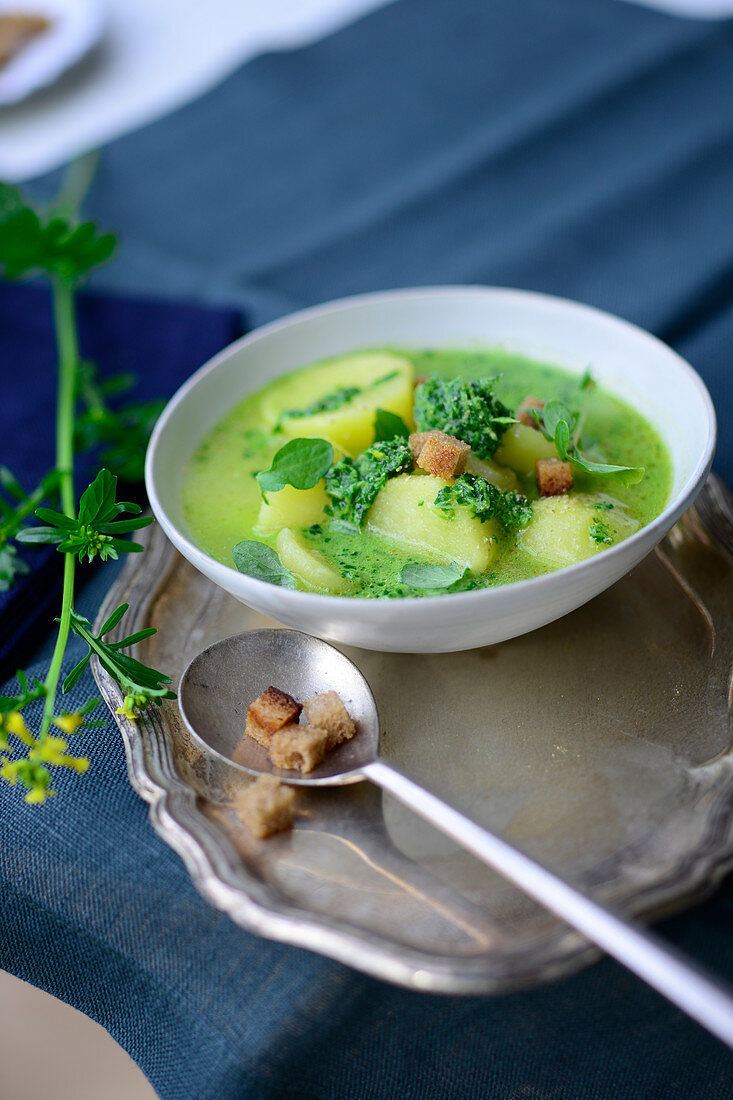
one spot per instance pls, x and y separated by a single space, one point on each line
581 147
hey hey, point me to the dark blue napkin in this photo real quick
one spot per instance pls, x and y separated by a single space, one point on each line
160 342
580 147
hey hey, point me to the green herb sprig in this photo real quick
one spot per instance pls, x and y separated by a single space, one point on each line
558 424
300 463
54 243
353 483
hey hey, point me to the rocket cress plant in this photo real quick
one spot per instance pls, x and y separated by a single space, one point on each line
54 243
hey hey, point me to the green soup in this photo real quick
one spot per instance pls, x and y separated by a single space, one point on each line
409 541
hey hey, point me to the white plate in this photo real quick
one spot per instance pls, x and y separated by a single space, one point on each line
75 27
626 360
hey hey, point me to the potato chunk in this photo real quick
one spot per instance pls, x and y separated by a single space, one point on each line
501 476
360 384
559 531
291 507
309 564
522 446
403 512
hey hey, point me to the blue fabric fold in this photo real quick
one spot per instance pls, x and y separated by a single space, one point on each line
578 147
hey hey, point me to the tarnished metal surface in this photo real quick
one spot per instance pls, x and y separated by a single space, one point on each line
599 743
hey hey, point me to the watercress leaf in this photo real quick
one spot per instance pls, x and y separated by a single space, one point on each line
300 463
260 561
562 439
631 474
424 575
388 425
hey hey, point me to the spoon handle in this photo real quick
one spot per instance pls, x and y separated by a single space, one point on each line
662 967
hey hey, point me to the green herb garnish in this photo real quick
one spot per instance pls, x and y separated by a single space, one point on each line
334 400
485 501
388 425
353 483
600 532
558 424
300 463
470 411
423 575
261 562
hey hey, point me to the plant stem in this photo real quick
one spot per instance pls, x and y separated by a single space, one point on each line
68 358
76 183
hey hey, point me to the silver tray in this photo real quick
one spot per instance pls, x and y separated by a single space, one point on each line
599 743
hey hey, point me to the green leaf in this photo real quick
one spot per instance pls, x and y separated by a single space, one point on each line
388 425
631 475
113 619
423 575
260 561
39 534
98 499
34 242
485 501
300 463
11 566
75 675
558 423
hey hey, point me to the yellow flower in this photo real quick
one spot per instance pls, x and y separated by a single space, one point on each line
52 750
15 724
69 723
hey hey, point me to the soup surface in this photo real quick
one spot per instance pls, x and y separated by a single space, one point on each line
346 504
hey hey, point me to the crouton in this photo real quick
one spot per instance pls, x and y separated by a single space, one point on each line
553 477
265 806
439 453
269 713
524 412
329 712
16 30
299 748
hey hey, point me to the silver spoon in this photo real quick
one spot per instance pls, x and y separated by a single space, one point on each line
221 681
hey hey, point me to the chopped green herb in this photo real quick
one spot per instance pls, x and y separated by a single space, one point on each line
600 532
353 483
261 561
335 399
603 506
485 500
471 411
300 463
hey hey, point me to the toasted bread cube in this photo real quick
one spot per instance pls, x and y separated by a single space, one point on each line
524 412
269 713
299 748
328 712
553 477
266 806
439 453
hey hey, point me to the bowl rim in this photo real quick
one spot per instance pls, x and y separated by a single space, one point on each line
652 532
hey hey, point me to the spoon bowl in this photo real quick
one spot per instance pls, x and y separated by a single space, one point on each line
224 678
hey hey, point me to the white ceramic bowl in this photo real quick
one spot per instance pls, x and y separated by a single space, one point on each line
625 360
